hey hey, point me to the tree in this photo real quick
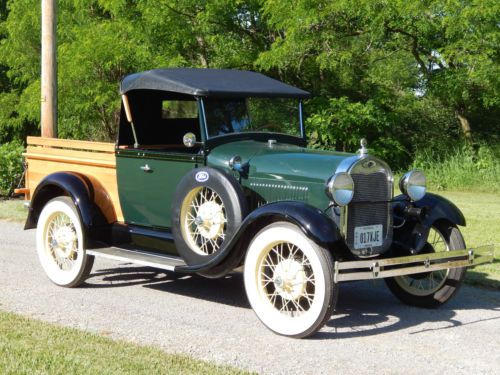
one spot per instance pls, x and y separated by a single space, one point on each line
391 51
406 75
99 42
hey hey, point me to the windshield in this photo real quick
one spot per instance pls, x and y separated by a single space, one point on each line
274 115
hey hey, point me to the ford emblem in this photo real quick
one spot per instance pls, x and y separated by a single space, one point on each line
201 176
369 164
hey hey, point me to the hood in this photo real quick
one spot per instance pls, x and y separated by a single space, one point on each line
279 162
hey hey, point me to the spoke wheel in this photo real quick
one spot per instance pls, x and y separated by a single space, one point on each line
60 243
204 221
207 210
289 281
424 284
432 289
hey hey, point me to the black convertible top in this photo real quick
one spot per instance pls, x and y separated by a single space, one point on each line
210 82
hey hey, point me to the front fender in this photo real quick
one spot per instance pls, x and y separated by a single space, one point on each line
438 208
69 184
413 234
313 222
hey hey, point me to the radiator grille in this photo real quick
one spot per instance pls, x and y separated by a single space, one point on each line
370 206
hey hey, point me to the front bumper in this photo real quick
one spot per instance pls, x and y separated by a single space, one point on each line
390 267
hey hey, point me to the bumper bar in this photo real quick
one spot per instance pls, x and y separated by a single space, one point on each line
390 267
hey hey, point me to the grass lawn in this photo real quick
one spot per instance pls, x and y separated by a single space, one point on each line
481 210
31 347
482 214
12 210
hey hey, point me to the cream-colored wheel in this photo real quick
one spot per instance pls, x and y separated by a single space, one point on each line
60 242
432 289
207 210
203 220
289 281
424 284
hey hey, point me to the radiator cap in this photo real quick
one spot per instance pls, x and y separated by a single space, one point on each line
363 150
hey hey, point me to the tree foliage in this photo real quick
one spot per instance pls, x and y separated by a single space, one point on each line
405 75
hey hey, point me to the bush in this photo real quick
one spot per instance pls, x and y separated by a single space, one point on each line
339 124
11 167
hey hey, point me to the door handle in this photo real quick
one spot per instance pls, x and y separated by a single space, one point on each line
146 168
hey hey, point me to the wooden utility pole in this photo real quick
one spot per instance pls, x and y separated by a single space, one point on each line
49 69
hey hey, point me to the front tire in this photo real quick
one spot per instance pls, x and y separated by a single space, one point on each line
60 244
289 281
432 289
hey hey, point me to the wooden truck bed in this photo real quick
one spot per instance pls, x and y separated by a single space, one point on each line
95 160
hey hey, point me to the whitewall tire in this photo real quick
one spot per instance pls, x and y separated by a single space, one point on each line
289 281
61 245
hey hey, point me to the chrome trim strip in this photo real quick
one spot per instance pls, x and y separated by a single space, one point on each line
399 266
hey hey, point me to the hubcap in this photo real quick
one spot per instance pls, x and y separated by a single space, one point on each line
287 279
203 216
290 279
62 241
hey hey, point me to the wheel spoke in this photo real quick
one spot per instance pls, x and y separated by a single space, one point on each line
430 282
206 236
286 272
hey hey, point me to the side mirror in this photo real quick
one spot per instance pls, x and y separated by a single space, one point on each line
189 140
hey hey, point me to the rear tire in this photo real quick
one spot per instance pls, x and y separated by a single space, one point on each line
61 245
289 281
432 289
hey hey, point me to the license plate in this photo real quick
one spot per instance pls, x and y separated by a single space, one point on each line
368 236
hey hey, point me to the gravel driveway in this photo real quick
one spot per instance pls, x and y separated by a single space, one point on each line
372 332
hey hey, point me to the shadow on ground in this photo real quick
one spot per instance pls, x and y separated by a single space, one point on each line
364 308
483 279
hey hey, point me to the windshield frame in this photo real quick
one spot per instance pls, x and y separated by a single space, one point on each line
223 138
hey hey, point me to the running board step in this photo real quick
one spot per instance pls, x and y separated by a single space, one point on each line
141 257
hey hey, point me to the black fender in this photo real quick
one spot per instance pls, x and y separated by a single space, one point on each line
433 208
77 188
313 222
438 208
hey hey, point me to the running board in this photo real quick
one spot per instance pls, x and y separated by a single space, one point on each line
143 258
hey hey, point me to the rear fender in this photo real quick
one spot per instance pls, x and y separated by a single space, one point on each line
74 186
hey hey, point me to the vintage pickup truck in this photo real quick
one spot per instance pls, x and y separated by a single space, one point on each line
210 171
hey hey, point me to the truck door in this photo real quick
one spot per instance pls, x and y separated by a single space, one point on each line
147 180
148 172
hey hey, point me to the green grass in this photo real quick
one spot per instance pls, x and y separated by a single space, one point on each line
462 169
31 347
482 214
13 210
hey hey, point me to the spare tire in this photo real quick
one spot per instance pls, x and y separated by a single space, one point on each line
208 208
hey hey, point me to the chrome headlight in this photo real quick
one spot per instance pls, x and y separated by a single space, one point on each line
413 184
340 188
